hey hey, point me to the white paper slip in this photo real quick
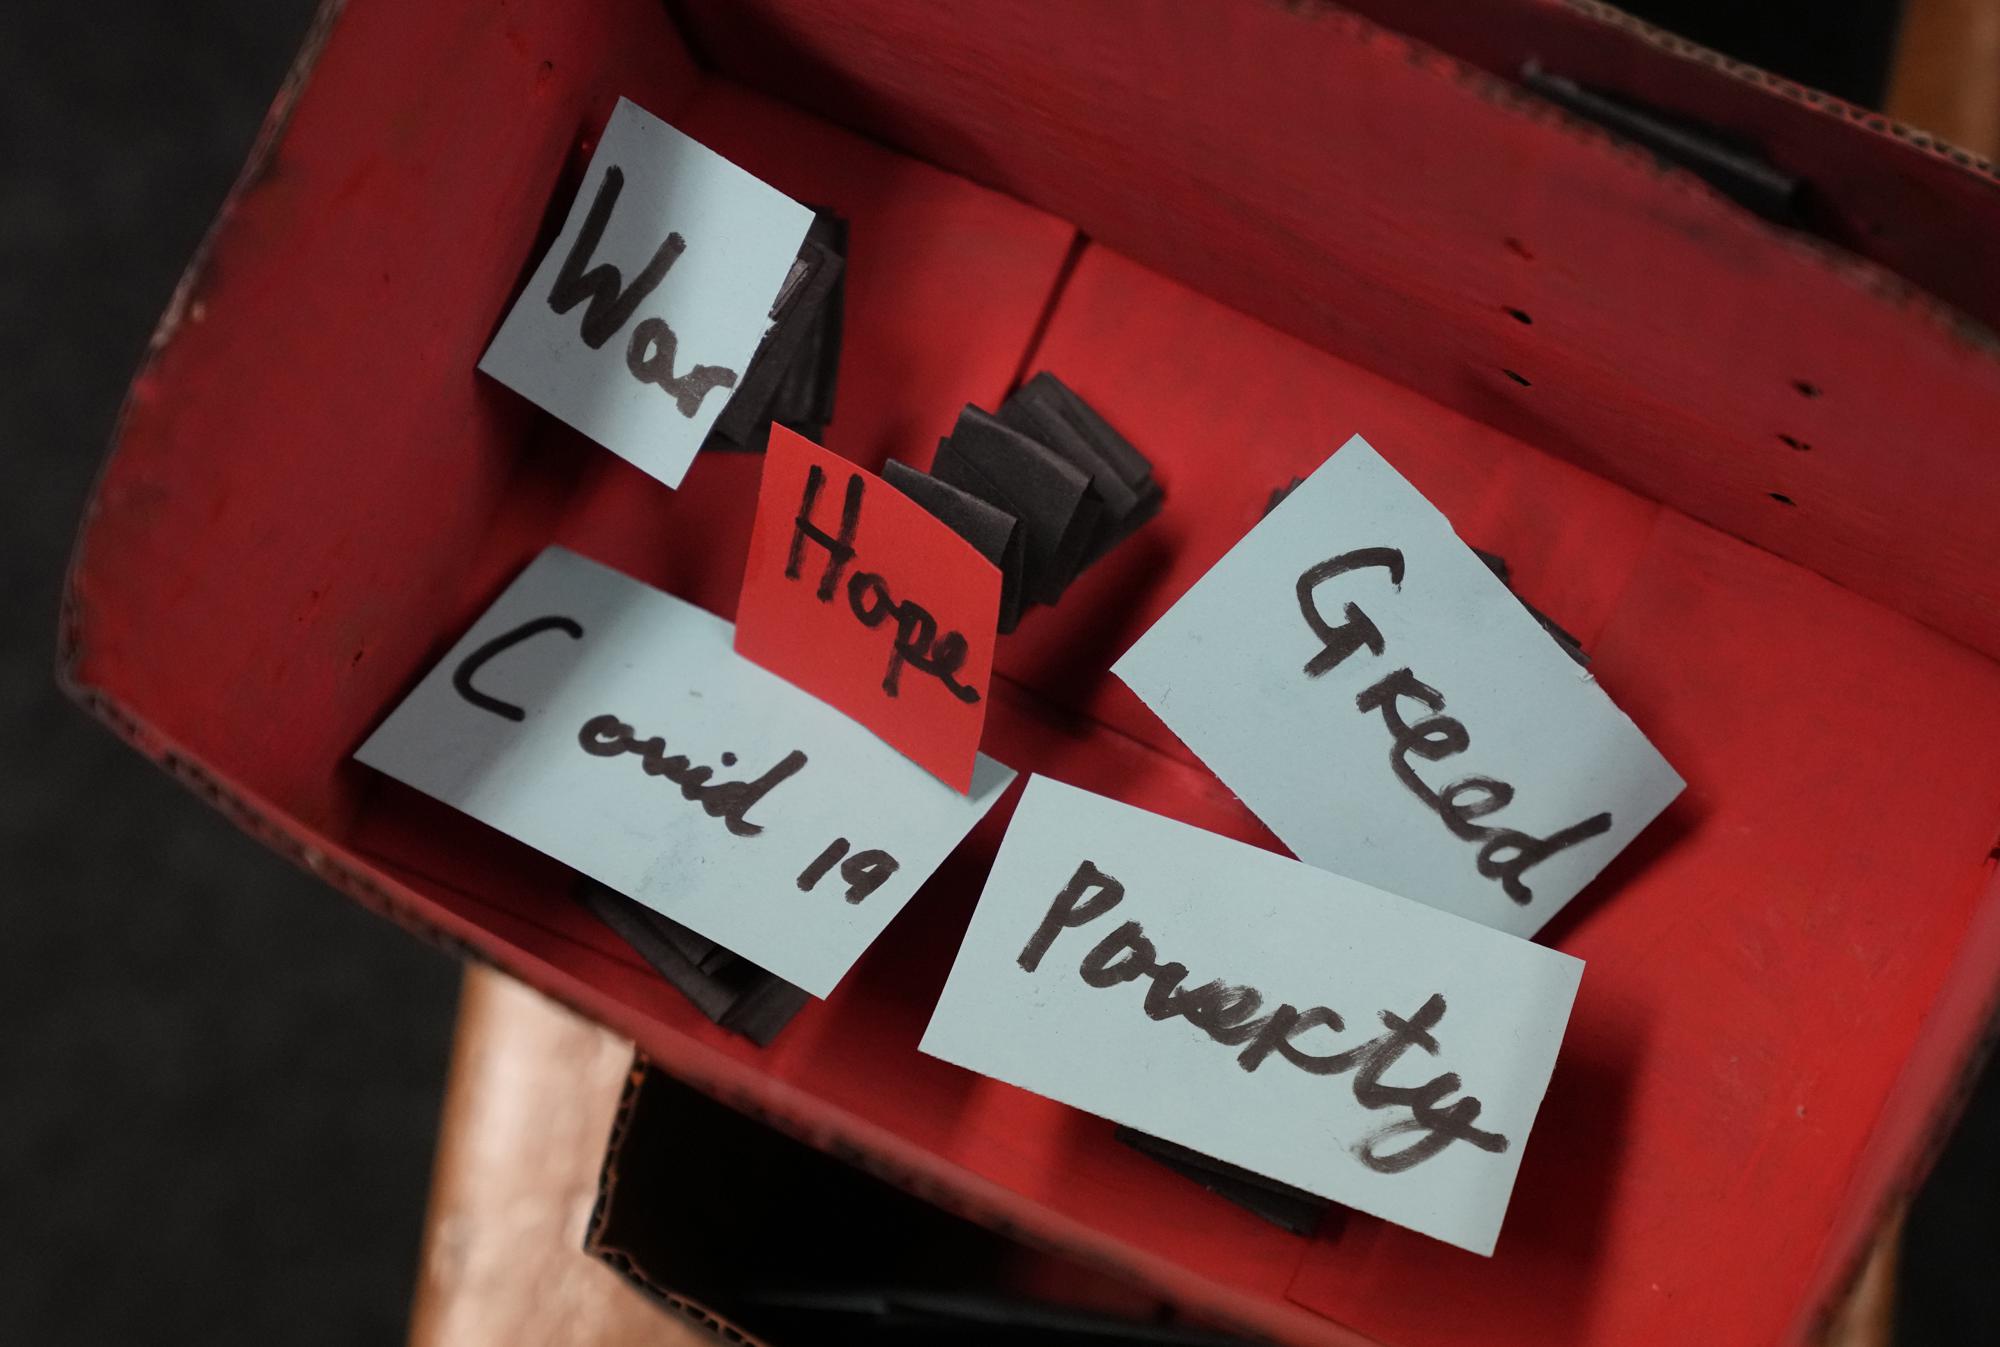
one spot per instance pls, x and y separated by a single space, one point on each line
647 308
1304 1026
613 727
1390 710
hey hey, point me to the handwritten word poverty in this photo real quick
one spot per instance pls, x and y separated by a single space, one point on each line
1229 1014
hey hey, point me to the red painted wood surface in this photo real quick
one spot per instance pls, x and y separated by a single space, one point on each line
1888 191
1393 206
313 494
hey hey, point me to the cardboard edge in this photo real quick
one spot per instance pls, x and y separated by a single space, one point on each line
73 613
620 1260
1891 1167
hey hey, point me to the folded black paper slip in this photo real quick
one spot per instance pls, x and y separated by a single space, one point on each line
1033 483
993 533
1571 646
791 376
1042 489
724 986
805 398
1047 397
1121 479
1032 411
1278 494
1282 1205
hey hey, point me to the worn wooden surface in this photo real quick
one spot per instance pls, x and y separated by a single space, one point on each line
1947 73
526 1113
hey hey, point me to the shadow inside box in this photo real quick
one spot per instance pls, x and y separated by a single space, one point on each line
1067 651
1545 1267
1566 1189
718 1215
1678 822
789 68
905 969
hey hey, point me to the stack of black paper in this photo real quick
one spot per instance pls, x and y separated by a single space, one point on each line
729 989
791 376
1042 489
1571 646
1289 1208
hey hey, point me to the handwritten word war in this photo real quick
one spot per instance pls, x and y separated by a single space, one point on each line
1505 854
916 642
610 303
1229 1014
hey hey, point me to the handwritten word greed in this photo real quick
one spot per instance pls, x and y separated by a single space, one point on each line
1504 853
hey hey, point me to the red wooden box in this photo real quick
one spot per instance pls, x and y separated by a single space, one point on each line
1752 469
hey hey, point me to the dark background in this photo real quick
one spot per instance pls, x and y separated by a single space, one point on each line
219 1082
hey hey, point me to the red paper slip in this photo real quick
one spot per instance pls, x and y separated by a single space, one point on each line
858 595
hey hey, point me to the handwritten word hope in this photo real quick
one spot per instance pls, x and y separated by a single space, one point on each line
1504 853
1233 1015
860 596
916 642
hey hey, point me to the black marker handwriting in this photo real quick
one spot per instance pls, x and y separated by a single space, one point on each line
1440 1126
658 368
1339 642
1504 853
610 304
916 642
1228 1014
461 677
864 871
731 801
